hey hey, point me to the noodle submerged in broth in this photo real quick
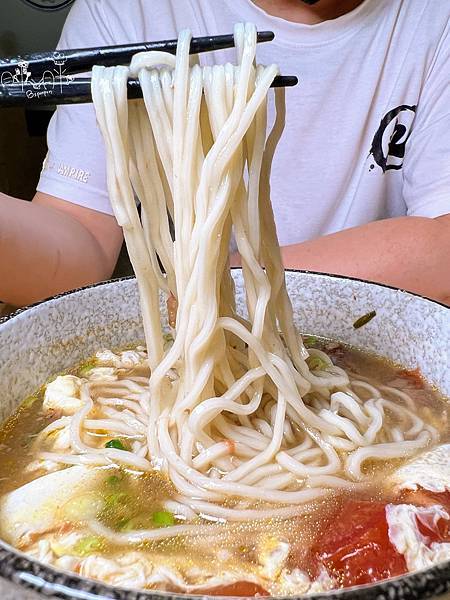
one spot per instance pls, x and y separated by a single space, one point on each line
228 458
132 528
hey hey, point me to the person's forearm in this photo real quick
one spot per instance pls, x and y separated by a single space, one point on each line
412 253
44 251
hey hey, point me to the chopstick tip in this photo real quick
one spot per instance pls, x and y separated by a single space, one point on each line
285 81
291 80
265 36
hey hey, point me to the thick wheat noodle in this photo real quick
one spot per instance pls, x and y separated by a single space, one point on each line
110 425
383 451
131 418
232 408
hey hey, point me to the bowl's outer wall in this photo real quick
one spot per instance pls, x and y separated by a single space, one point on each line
11 591
46 339
49 338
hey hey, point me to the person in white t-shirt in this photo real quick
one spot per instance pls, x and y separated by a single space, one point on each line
361 179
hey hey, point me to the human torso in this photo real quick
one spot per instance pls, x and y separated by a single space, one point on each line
339 162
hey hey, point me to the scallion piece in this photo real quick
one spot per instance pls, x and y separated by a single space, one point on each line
364 319
89 545
86 368
116 444
124 525
310 340
113 481
163 518
116 499
315 363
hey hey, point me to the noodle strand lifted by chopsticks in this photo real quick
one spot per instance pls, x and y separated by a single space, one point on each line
232 409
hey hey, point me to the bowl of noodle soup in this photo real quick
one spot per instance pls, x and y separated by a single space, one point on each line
39 343
212 432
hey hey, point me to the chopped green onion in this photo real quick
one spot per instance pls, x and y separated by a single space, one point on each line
117 444
134 523
168 337
84 372
315 363
115 499
113 481
310 340
89 545
124 525
28 403
163 518
364 319
86 368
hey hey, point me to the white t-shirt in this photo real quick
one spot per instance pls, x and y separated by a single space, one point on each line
368 129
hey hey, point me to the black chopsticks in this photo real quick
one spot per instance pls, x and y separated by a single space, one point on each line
82 59
78 91
46 79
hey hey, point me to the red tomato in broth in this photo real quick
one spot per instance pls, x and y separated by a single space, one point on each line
355 548
240 588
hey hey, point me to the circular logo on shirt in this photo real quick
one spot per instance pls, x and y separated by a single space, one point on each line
48 4
389 142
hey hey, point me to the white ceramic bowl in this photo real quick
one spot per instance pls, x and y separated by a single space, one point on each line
45 339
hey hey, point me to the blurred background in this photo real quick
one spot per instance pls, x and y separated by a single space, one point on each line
26 26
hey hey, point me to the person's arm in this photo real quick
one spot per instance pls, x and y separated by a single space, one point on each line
67 237
411 253
50 246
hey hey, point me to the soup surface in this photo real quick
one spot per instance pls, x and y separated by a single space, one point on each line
107 522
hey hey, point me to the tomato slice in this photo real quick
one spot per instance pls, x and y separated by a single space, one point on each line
421 497
240 588
355 548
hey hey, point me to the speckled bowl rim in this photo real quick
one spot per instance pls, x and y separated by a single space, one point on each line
303 271
31 574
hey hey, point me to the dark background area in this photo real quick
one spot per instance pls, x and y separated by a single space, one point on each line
23 29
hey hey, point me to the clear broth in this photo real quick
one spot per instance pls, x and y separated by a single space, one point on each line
130 501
